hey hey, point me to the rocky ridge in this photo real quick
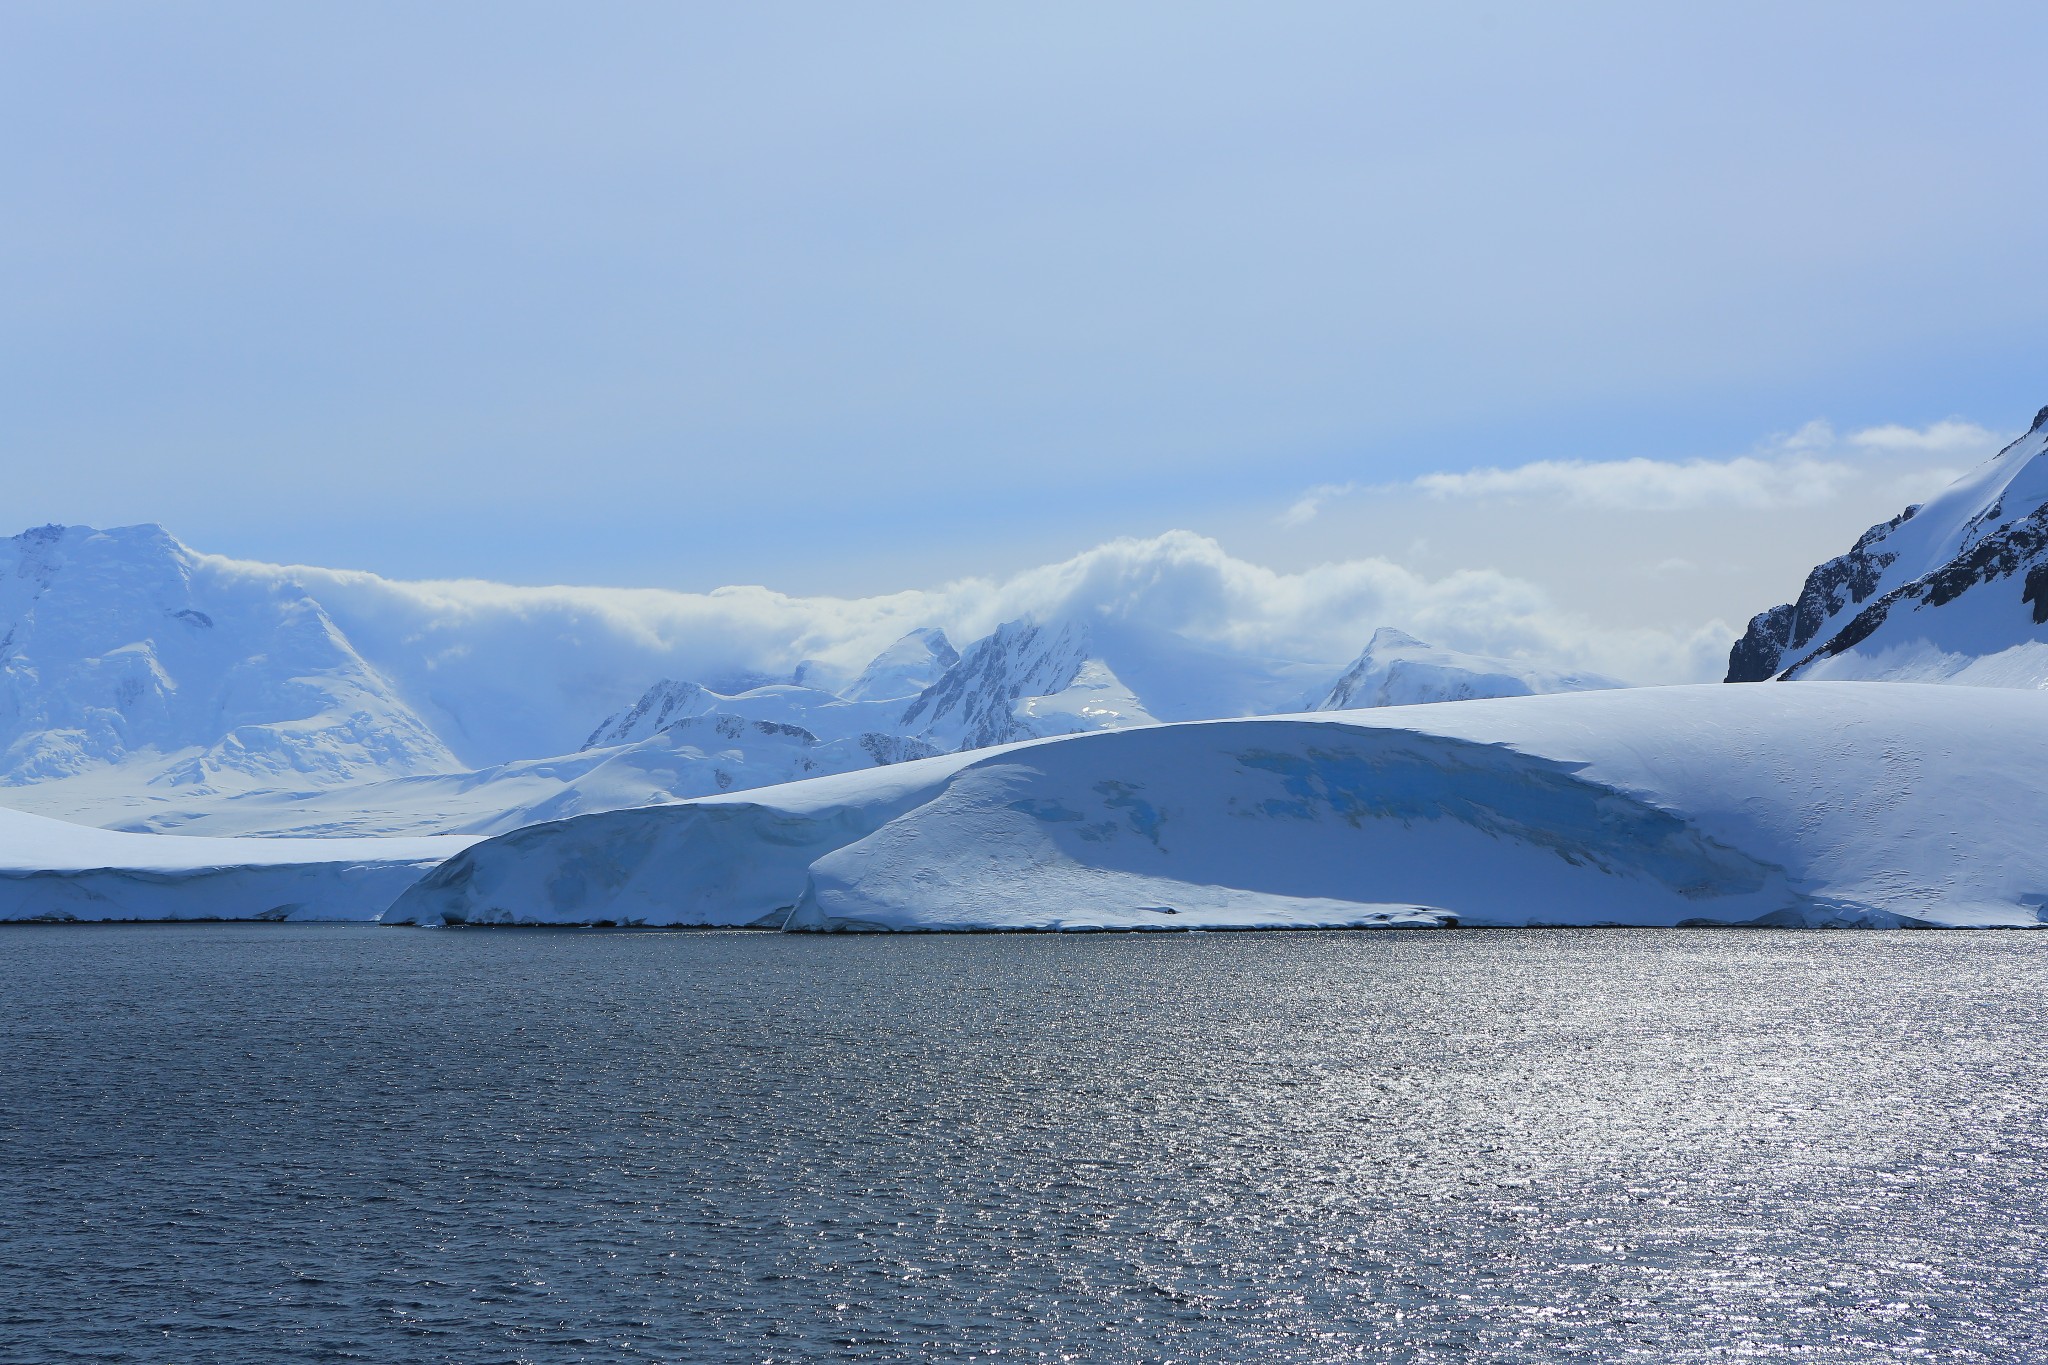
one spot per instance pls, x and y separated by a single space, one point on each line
1955 589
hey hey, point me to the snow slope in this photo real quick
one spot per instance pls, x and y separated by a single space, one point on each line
1396 669
51 870
1952 591
696 756
1823 804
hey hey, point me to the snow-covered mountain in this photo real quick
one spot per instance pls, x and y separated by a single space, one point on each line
1396 669
120 648
986 697
1952 591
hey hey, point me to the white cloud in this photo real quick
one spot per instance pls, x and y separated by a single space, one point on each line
586 651
1310 504
1804 468
1654 485
1952 439
579 653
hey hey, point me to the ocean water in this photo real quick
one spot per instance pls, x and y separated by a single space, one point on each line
309 1143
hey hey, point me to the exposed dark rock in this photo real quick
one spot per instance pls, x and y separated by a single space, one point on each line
1841 582
2037 592
1756 655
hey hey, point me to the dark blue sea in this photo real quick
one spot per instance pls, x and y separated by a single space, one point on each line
282 1144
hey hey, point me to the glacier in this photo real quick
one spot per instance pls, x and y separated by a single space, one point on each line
1825 804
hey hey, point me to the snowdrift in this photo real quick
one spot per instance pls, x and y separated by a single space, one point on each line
51 870
1817 804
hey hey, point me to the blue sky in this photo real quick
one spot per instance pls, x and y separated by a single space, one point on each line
844 298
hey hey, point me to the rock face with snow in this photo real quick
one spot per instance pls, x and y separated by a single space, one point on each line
1952 591
1827 804
1397 669
661 706
1031 679
984 698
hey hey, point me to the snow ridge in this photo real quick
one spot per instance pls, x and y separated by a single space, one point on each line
659 707
905 668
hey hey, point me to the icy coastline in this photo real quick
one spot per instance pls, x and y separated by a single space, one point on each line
51 870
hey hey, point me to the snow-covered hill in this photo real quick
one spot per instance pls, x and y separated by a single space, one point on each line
1952 591
1815 805
1396 669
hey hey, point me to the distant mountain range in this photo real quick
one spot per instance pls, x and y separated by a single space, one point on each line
146 686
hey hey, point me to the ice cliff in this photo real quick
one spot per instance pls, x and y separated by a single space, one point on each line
51 870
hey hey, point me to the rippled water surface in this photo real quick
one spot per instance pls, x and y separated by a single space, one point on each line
278 1143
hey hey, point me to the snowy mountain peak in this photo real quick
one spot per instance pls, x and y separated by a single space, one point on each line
1388 638
1955 589
659 707
976 703
146 685
1396 669
905 668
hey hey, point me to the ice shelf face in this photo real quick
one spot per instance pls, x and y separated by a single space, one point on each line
1816 805
53 870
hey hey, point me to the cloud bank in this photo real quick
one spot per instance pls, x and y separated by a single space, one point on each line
1806 468
580 653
